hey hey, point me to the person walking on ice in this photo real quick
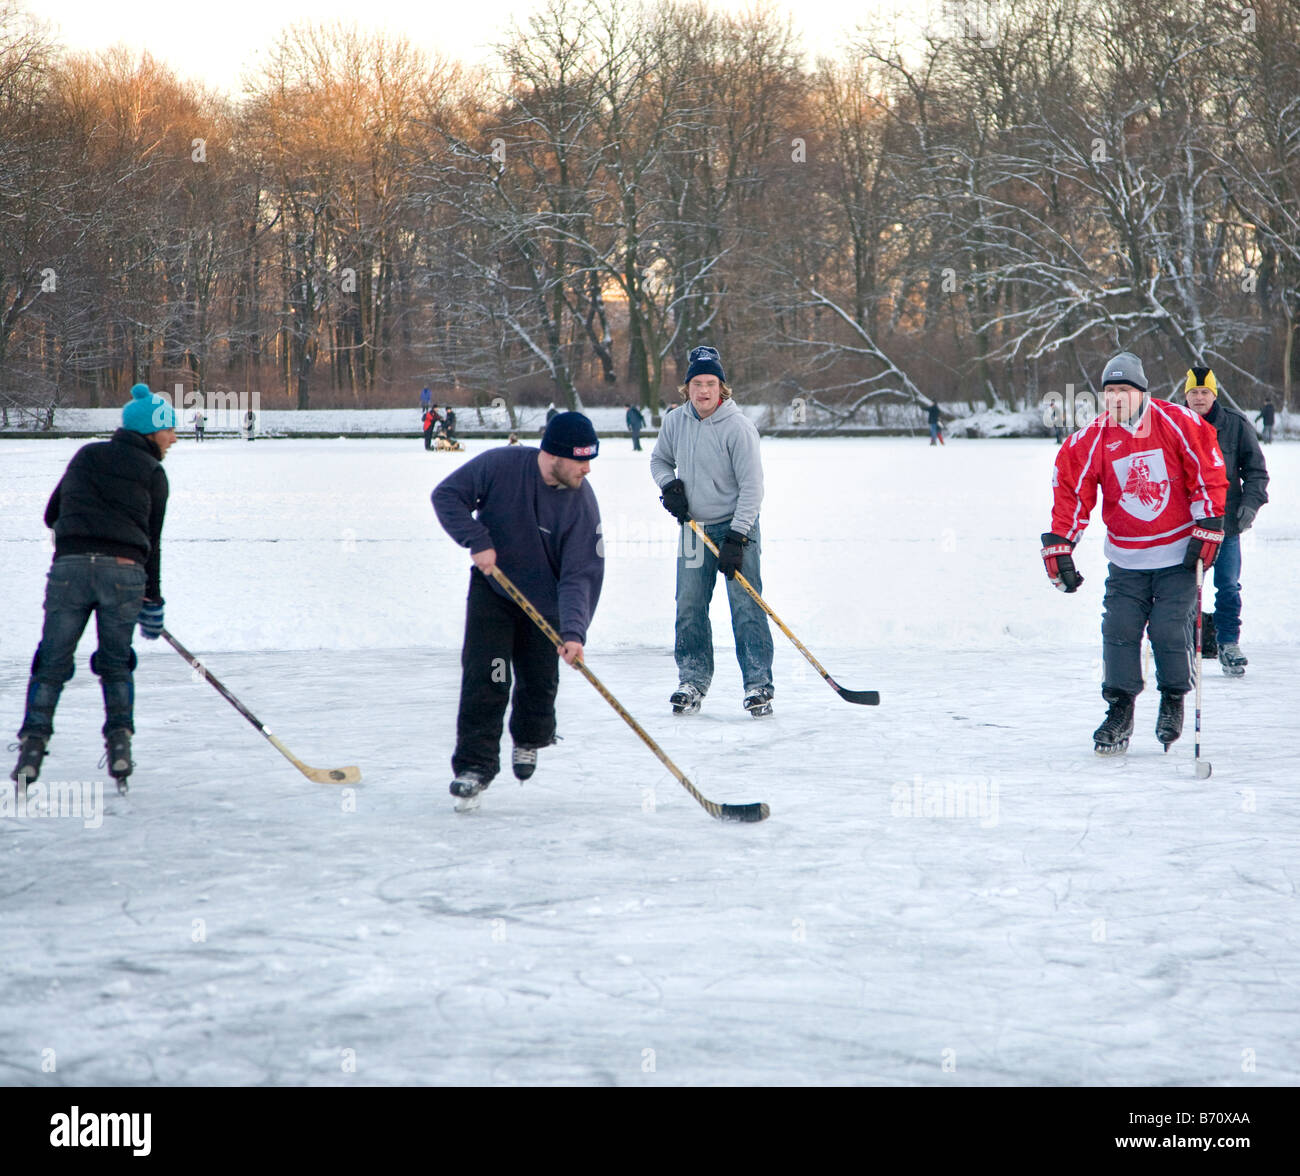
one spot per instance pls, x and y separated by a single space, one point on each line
706 463
1160 474
107 515
1243 465
532 513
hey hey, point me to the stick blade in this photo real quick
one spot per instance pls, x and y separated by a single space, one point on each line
861 697
348 775
750 813
1203 770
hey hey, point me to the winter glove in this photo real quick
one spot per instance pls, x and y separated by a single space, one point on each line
1060 563
1246 516
1204 543
731 553
674 500
151 619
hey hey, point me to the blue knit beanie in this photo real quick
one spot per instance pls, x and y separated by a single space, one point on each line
147 413
570 434
704 361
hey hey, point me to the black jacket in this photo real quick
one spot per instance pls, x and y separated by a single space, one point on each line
1243 462
111 501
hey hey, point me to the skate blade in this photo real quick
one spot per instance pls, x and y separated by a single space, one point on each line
1109 750
469 804
686 710
761 712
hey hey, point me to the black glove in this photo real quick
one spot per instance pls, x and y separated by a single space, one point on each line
1060 563
1207 535
674 500
731 553
1246 516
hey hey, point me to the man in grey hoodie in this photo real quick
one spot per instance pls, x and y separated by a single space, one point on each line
706 463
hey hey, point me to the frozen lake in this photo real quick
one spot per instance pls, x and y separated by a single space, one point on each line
951 887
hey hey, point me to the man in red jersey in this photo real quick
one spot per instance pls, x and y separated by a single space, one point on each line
1162 484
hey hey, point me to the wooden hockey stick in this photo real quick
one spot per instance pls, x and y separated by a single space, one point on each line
723 812
349 775
861 697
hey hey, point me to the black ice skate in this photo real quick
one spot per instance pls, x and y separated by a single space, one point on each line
1233 661
686 699
1169 722
1111 738
524 762
117 747
758 701
31 751
1209 643
467 786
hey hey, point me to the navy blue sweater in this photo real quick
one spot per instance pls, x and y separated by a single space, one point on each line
547 538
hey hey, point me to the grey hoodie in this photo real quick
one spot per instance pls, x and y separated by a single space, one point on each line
717 458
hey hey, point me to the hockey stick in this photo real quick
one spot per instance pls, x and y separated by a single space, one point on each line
1203 767
350 775
724 812
861 697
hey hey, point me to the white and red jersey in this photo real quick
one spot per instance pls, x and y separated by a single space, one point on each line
1157 473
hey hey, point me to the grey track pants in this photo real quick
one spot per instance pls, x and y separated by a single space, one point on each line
1162 603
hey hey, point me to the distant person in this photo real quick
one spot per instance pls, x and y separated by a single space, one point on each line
426 399
936 426
1266 416
449 415
551 412
635 423
107 515
250 424
200 423
514 439
1243 463
428 424
1058 423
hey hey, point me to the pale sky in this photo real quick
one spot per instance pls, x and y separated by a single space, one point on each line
213 42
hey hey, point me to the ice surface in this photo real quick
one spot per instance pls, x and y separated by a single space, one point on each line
951 887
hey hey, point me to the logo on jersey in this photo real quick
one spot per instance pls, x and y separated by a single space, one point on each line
1144 484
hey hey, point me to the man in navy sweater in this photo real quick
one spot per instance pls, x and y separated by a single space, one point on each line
532 513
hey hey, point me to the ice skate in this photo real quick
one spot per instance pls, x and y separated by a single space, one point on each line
1112 737
758 701
117 747
31 751
1232 660
524 762
467 787
686 699
1169 722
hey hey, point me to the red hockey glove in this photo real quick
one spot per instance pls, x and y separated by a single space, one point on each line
1060 563
1204 543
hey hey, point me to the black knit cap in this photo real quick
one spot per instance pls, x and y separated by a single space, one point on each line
570 434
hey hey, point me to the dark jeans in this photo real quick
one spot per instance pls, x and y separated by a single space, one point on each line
636 438
78 585
501 643
1227 591
1163 603
697 575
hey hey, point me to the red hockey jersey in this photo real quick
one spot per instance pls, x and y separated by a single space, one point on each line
1157 474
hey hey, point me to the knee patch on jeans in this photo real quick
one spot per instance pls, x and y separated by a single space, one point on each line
94 666
36 658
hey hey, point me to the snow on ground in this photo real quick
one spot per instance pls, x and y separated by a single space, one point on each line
951 887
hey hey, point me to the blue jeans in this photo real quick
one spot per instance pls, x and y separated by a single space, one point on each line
1227 591
697 573
78 585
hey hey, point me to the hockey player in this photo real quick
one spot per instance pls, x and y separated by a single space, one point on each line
532 512
1247 476
706 463
107 515
1160 474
